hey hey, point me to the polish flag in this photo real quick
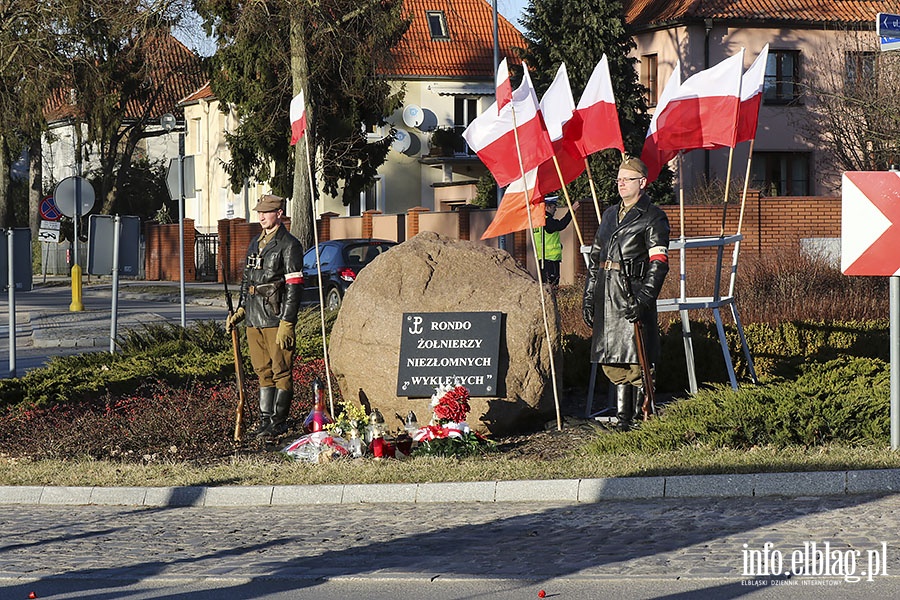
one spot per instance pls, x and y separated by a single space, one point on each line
511 215
492 135
703 113
652 155
557 108
596 123
752 85
504 86
298 118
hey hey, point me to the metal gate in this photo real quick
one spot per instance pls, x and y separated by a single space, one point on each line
206 250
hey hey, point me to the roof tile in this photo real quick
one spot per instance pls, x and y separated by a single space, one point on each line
651 12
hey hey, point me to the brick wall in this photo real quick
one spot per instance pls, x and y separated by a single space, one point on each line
161 252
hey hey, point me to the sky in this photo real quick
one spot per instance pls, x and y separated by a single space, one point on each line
512 10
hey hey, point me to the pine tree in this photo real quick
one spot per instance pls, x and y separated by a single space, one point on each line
578 33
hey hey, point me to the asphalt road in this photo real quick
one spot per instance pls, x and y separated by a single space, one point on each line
48 306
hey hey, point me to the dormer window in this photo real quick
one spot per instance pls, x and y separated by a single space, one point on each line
437 25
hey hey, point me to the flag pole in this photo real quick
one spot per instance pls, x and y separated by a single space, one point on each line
727 189
587 168
568 200
746 183
537 263
312 203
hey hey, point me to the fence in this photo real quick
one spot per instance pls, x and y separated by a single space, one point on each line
769 226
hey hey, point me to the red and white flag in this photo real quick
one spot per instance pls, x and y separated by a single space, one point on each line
652 155
504 86
557 109
703 112
752 84
596 126
298 118
511 215
492 135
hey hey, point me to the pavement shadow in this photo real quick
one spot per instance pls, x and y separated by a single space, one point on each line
689 537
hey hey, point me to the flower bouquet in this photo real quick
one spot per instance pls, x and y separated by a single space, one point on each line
448 434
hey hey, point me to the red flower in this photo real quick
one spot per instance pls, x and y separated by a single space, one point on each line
453 406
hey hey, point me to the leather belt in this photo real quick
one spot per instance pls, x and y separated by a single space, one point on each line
611 266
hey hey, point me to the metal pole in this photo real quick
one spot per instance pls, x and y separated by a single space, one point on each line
181 222
895 362
501 241
11 282
114 312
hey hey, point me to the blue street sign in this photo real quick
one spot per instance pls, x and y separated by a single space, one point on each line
888 25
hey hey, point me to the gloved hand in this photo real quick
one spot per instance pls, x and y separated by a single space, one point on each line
233 319
587 313
633 312
285 336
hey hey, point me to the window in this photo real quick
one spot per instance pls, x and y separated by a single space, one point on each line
464 112
371 198
859 73
782 82
649 70
781 173
437 25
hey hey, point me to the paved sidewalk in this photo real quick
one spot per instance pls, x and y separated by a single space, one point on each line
574 491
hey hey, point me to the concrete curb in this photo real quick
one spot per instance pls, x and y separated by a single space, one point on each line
564 491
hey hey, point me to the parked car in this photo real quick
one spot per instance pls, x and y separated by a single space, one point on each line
341 261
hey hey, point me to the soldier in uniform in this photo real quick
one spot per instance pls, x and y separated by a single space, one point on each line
628 264
269 301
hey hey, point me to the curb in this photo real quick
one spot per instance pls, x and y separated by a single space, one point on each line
565 491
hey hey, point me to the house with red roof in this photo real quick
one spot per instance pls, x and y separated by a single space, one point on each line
445 63
812 44
175 71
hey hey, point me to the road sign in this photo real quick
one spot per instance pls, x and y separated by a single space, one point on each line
49 210
888 25
889 43
187 178
68 190
870 223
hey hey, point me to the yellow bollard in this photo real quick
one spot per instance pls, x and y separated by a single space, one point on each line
76 305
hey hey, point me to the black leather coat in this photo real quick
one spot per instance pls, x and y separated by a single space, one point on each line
272 280
608 292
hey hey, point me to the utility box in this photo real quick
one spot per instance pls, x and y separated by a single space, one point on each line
101 233
22 273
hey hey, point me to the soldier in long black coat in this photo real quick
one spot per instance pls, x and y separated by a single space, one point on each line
628 264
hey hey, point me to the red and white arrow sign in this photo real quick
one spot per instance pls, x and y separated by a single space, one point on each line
870 223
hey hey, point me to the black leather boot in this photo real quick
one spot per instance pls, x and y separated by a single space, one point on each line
639 404
266 411
282 409
624 406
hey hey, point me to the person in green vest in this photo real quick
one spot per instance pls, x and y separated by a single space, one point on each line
547 242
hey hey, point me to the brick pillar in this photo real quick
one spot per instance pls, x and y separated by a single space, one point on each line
412 221
520 246
462 222
325 226
367 227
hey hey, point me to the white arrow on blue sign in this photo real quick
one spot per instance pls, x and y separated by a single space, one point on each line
888 25
889 43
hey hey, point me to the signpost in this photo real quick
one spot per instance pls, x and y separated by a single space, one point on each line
75 197
870 236
888 26
449 349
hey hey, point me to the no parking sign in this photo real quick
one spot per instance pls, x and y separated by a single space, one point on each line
49 210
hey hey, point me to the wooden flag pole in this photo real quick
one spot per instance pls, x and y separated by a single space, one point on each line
312 203
746 183
587 168
727 189
568 201
540 277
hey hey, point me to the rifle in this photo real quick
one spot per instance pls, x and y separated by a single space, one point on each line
649 404
238 366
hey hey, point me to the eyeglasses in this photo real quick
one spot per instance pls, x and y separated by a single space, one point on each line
626 179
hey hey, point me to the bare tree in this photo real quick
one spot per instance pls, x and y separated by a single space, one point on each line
854 107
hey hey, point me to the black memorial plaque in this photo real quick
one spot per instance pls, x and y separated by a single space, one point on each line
449 349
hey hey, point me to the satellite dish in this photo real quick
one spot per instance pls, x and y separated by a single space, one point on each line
413 115
401 142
